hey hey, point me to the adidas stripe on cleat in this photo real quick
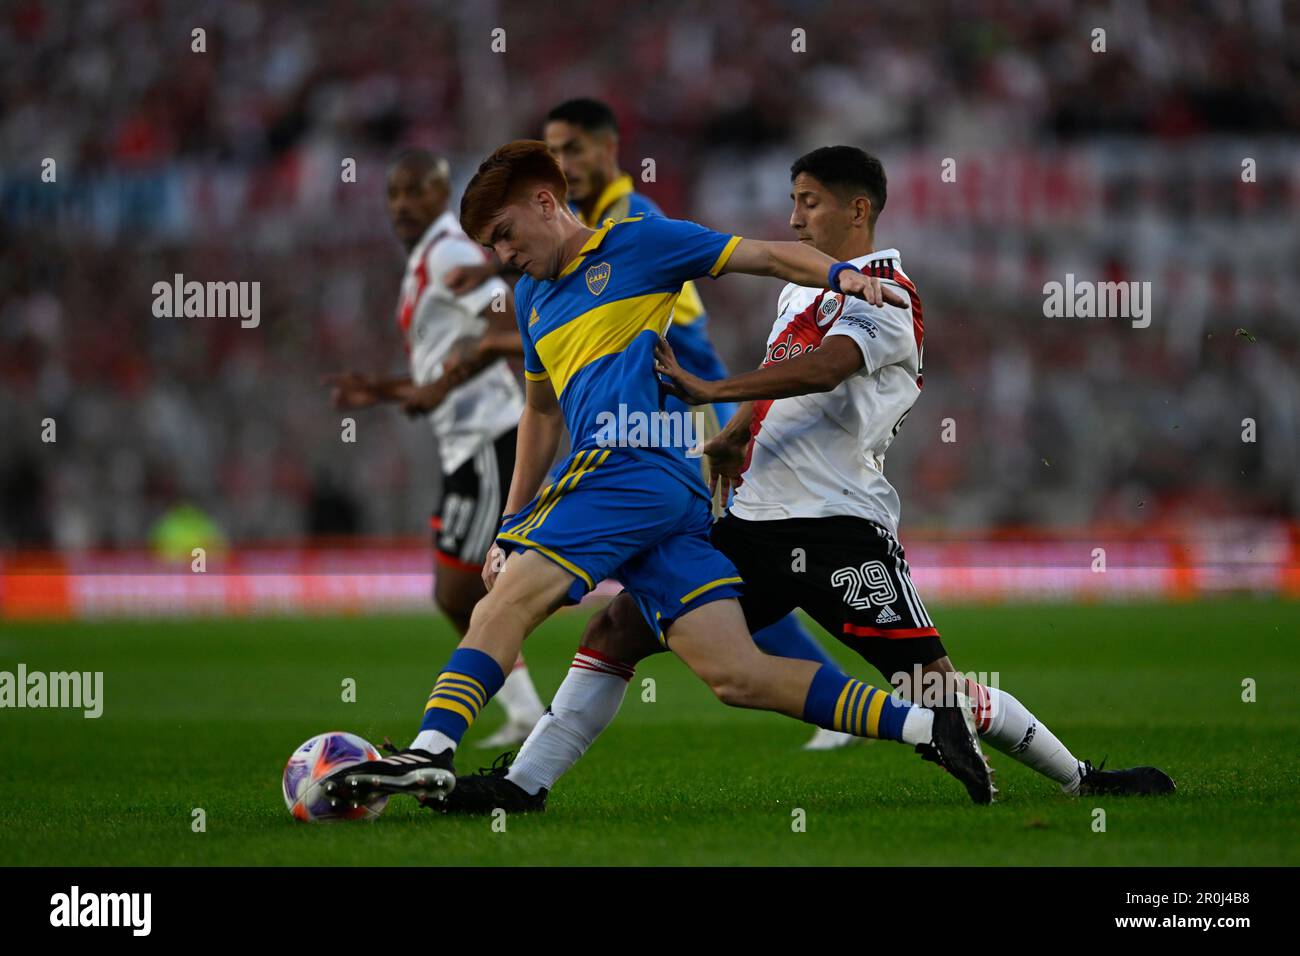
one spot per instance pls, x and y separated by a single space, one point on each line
417 773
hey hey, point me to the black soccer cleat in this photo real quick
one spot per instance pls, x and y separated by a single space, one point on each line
489 790
420 774
954 746
1133 782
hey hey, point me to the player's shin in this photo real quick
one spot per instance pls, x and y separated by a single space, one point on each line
584 705
1009 727
836 701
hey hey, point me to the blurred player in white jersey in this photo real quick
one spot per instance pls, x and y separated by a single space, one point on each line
806 456
472 412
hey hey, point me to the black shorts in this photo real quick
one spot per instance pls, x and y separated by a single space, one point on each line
469 516
849 574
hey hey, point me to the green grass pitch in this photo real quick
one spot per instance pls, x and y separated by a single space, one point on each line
204 714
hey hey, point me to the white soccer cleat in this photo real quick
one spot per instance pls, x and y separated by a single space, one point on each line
511 734
825 739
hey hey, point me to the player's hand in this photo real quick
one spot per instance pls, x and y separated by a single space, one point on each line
691 389
351 390
462 279
869 288
463 359
425 398
726 461
492 565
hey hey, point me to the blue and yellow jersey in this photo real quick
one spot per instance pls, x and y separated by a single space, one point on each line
688 335
592 330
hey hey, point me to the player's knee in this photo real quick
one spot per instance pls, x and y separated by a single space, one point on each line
618 631
504 609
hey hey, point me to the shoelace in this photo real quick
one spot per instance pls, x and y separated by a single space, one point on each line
1088 768
500 767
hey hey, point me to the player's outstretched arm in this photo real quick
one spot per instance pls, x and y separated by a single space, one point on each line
803 265
540 427
820 370
354 390
469 356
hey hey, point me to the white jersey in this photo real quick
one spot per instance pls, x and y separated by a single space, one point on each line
823 455
432 318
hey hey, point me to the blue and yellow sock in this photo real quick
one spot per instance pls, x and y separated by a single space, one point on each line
839 702
465 685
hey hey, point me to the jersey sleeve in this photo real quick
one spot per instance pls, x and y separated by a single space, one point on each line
682 250
452 252
883 333
534 370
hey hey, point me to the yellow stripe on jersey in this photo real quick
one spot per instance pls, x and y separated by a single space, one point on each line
536 376
689 307
605 330
724 255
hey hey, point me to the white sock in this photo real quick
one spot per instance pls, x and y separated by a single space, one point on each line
434 741
584 705
918 725
1006 724
519 697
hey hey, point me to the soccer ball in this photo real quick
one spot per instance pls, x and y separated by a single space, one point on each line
313 762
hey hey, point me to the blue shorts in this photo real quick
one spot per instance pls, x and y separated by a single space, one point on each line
615 514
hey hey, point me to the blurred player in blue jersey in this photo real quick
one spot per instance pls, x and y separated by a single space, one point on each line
582 135
591 307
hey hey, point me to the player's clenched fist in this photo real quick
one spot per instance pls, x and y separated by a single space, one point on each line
726 454
869 288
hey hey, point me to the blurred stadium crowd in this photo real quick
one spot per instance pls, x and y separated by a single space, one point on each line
225 165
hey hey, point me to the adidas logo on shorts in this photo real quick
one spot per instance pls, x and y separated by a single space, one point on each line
888 615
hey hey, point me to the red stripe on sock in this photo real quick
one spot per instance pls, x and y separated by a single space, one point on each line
605 659
983 705
600 670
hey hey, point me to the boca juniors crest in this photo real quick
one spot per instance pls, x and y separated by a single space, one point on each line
598 278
